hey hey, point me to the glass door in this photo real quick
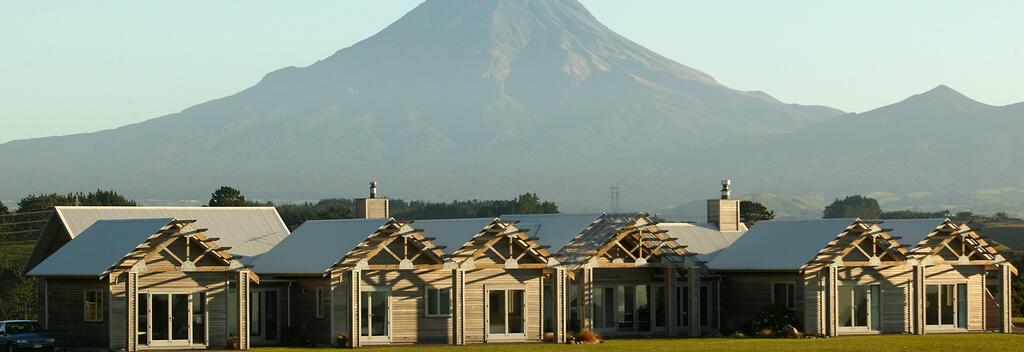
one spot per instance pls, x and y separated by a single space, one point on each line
373 315
946 306
860 307
506 316
263 316
172 319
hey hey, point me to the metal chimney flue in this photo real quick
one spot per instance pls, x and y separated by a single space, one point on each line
726 191
373 189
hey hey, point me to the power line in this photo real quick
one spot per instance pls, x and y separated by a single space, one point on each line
27 213
23 222
21 231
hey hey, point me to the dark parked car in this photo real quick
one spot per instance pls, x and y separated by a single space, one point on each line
16 335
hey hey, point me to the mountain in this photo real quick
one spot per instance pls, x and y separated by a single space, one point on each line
933 151
456 99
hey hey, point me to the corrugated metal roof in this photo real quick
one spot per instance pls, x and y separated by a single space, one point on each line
249 231
555 230
316 246
702 239
593 237
452 233
913 231
99 247
779 245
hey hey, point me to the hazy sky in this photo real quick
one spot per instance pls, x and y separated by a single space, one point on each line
70 67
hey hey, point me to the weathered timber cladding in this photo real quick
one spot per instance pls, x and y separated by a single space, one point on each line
303 310
67 313
529 279
744 293
895 284
340 285
409 323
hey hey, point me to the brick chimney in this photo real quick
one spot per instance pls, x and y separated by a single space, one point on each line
725 212
373 207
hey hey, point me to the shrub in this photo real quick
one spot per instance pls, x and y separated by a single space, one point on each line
587 336
773 318
548 337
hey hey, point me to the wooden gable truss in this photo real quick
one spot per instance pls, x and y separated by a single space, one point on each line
179 246
503 245
395 246
862 243
641 244
958 244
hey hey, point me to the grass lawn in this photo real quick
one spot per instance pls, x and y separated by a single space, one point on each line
916 343
16 252
1018 321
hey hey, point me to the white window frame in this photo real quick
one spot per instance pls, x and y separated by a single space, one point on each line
956 306
320 304
99 305
427 303
870 327
790 290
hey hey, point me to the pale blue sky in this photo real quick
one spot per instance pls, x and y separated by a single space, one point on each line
70 67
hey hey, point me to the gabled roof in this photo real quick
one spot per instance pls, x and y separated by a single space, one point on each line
593 237
99 247
779 245
452 233
554 230
249 231
704 240
316 246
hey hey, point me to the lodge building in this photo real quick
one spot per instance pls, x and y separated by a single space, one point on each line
140 278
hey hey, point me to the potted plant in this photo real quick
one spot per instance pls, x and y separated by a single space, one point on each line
342 340
233 342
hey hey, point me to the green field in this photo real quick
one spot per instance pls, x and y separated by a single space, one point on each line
952 342
16 252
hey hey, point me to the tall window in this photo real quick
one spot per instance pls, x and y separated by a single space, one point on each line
784 294
93 305
438 301
320 302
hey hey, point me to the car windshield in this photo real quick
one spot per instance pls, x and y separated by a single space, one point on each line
25 326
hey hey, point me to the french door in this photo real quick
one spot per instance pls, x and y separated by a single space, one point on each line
506 318
628 309
172 319
860 307
264 328
946 306
374 317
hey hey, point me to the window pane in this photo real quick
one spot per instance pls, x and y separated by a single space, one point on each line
860 309
946 297
876 307
255 312
931 311
270 314
599 320
643 308
791 296
961 311
445 303
549 309
845 306
705 298
364 313
609 307
160 316
496 314
779 294
683 302
515 311
432 301
659 301
199 317
179 317
143 321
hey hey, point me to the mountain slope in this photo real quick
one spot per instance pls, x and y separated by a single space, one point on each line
936 150
451 91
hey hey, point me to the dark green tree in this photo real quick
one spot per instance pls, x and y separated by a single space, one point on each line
3 208
48 201
227 197
336 211
855 206
751 212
